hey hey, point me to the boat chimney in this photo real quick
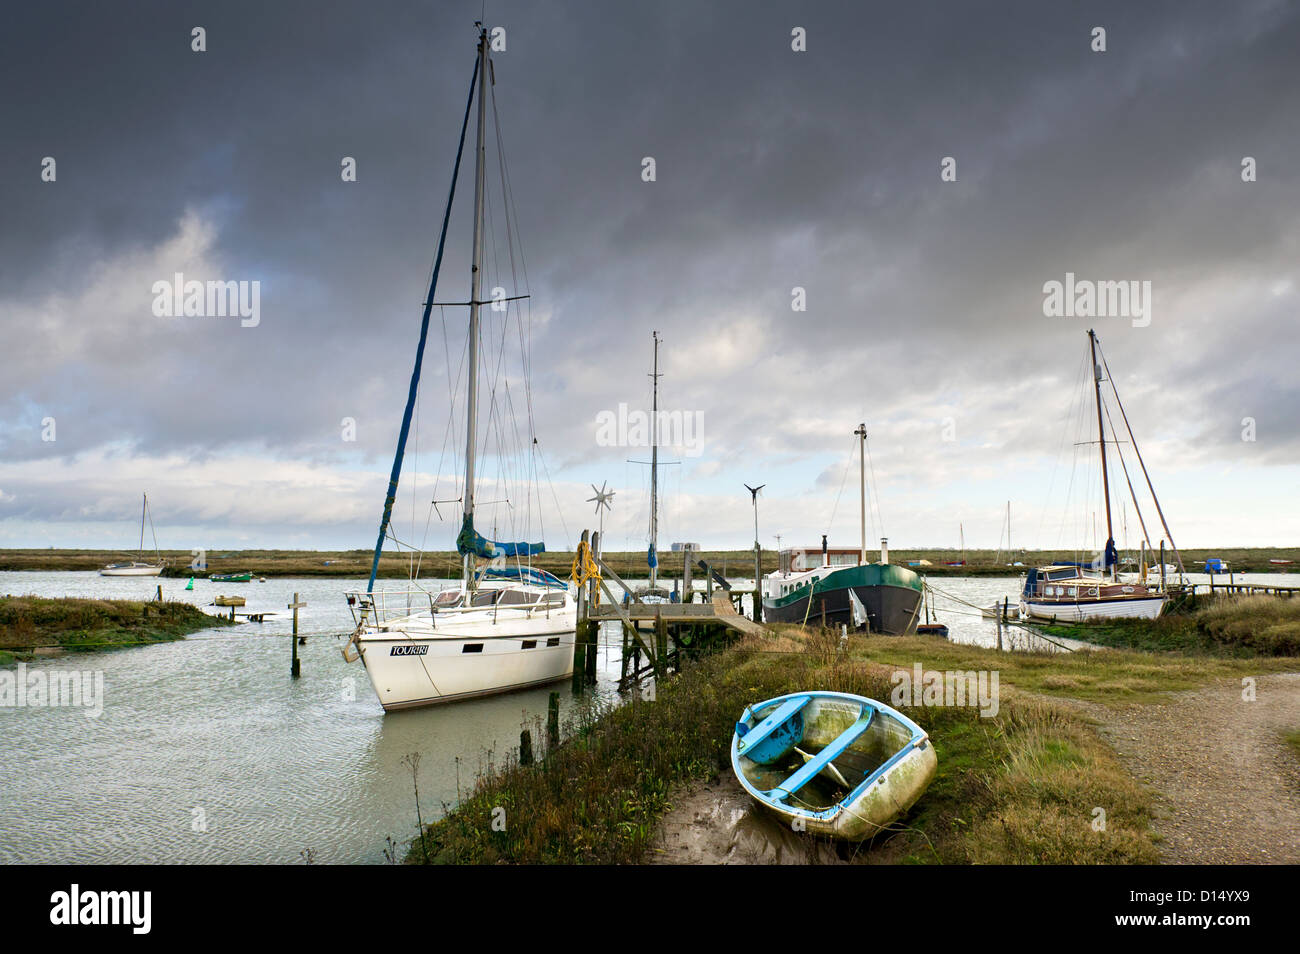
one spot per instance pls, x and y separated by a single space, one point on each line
826 559
884 549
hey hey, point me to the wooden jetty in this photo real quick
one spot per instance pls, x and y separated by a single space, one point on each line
676 630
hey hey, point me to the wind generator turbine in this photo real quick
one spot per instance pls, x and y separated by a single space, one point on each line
602 502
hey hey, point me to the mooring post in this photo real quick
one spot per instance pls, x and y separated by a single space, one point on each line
525 748
1162 566
623 659
579 656
553 722
688 591
593 643
661 645
159 592
295 668
584 637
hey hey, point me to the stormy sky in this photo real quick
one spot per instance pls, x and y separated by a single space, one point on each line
775 170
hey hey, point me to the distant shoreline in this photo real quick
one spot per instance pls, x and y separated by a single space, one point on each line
732 563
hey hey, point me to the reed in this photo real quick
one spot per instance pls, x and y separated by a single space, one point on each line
1246 627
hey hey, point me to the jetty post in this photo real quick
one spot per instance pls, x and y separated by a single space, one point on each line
553 723
579 652
295 666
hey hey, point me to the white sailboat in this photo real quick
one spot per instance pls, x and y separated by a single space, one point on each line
503 626
1068 592
139 567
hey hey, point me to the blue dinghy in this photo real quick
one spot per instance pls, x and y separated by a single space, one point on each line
832 763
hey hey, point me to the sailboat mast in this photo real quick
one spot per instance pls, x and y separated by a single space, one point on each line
654 463
861 433
476 283
1101 440
144 509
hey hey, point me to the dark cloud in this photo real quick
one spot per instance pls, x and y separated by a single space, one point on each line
775 170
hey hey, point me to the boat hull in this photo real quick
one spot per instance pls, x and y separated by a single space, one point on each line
891 599
131 571
1083 610
879 796
413 667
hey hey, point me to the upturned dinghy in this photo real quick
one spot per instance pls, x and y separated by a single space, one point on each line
832 763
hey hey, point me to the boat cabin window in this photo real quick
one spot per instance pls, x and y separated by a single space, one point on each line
485 597
550 599
447 599
514 598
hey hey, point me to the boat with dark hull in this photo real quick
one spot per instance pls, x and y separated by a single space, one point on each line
889 596
842 588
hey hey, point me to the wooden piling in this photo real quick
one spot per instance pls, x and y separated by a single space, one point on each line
553 722
295 666
661 646
525 748
583 637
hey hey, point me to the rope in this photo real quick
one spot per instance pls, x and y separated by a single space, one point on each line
584 566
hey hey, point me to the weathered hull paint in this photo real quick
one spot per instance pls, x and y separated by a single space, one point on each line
881 797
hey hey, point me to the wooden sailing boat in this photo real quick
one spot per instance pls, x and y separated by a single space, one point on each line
1067 591
842 587
139 567
502 626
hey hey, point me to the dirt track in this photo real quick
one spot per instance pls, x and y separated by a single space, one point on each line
1227 787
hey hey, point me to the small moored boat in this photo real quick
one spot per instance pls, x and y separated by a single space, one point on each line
232 578
139 567
832 763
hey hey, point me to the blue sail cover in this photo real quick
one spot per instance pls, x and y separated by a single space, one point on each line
651 559
471 541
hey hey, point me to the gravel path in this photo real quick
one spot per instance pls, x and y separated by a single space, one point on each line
1227 787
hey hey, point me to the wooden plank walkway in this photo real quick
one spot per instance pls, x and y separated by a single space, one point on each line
725 611
721 610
